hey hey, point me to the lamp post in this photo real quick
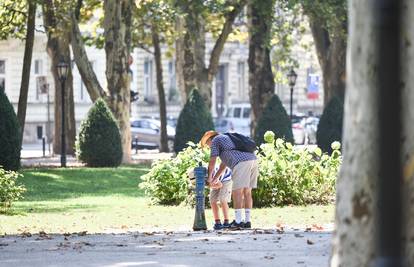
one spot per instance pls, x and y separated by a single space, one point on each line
62 70
292 81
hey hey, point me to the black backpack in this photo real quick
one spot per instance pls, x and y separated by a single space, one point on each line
242 143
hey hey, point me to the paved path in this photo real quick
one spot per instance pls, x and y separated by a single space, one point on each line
173 249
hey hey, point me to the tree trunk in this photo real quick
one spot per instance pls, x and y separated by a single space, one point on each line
331 51
357 202
160 87
408 128
195 72
261 80
117 30
27 61
89 78
58 49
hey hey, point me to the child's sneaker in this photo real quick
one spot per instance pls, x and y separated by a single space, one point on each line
247 225
226 225
236 226
218 226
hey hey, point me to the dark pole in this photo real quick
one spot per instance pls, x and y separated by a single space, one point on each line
48 120
63 150
291 102
389 211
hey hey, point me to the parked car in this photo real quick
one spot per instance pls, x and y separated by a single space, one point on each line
146 133
298 129
311 127
304 129
239 116
223 125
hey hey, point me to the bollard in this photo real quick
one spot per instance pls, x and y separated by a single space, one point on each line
44 146
200 174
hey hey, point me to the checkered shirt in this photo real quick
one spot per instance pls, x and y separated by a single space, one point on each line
223 147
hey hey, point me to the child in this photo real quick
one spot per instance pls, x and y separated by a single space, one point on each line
220 193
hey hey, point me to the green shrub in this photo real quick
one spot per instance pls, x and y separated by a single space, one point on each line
295 176
330 125
287 175
9 190
194 120
10 144
167 183
275 119
99 141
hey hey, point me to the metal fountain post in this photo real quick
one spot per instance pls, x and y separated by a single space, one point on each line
200 174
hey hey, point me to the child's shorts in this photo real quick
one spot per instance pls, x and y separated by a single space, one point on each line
223 194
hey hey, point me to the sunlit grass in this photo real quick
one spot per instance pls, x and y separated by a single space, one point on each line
101 200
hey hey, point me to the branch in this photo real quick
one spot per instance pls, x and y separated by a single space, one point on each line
82 62
145 48
78 7
225 32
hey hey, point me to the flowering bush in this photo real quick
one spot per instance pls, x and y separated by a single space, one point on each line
167 183
287 175
9 190
295 176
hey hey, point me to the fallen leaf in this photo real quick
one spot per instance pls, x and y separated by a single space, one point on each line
309 242
298 235
82 233
269 257
121 245
3 245
26 234
203 252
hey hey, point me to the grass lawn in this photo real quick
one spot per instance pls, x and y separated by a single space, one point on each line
101 200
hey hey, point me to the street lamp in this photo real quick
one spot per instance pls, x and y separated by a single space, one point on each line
292 81
62 70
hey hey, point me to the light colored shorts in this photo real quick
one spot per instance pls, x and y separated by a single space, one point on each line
223 194
245 174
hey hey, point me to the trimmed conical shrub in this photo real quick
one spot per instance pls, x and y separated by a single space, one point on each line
330 124
274 118
99 141
10 143
194 120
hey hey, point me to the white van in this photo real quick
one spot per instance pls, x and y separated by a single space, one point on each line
239 116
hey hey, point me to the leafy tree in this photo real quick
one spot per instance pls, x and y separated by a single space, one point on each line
330 124
57 28
275 119
10 144
17 20
155 26
99 141
328 22
194 120
195 19
13 14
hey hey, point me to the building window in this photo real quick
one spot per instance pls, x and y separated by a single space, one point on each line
172 87
38 67
148 77
2 75
38 71
221 89
241 79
